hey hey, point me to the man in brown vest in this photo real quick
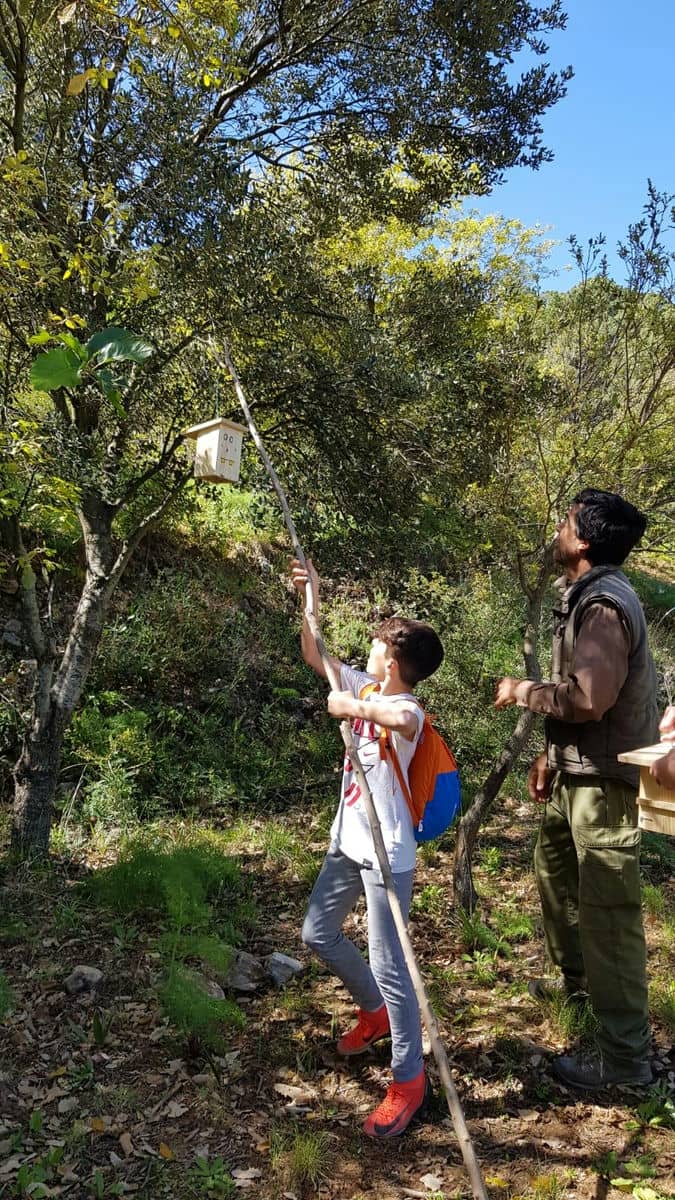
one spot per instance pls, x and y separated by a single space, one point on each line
601 701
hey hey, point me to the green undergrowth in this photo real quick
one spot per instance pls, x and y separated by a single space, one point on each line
6 997
198 897
196 1014
475 934
571 1021
662 1003
300 1159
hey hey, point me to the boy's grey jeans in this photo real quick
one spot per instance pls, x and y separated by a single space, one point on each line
386 979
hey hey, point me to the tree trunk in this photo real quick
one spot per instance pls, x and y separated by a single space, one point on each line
58 688
36 777
464 893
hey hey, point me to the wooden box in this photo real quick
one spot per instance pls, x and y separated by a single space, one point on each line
217 450
656 804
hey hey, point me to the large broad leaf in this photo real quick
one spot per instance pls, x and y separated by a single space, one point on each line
110 345
55 369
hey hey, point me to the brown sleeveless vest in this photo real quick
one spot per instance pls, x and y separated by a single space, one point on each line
591 747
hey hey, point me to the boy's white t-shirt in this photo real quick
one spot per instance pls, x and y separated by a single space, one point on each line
350 831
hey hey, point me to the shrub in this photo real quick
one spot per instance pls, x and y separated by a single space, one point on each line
195 1013
183 885
175 882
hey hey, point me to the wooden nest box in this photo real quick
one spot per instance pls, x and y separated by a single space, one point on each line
217 449
656 804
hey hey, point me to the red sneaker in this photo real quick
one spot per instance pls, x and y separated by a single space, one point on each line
401 1103
369 1028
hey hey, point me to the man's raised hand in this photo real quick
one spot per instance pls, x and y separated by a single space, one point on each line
506 692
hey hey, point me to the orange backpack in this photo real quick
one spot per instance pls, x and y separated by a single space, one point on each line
432 789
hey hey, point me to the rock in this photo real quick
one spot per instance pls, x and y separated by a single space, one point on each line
282 968
245 974
83 979
211 988
11 634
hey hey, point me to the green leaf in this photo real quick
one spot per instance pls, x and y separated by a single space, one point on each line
110 345
39 339
55 369
69 339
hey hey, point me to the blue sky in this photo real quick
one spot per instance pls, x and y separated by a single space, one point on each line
613 130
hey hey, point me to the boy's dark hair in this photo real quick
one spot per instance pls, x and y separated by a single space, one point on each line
415 646
610 525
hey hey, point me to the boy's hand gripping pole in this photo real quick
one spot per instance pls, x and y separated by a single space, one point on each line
428 1015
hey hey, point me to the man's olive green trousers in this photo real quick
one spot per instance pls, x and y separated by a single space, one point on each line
587 863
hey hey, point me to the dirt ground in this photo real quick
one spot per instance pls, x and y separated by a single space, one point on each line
129 1112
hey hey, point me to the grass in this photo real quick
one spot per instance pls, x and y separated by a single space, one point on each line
211 1178
653 900
482 968
476 935
657 855
115 1099
431 901
570 1019
549 1187
442 989
190 886
662 1003
6 997
195 1013
281 846
301 1160
512 925
490 858
659 1107
177 882
201 946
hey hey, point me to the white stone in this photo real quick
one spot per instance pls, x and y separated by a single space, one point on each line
83 979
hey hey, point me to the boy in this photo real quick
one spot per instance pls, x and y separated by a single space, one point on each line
402 653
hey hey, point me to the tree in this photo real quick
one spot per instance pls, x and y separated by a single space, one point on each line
144 149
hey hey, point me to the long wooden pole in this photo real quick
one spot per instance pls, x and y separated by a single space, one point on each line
428 1015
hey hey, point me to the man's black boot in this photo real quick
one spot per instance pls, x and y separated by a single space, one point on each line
544 990
590 1074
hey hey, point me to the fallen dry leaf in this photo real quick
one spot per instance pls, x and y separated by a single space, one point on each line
299 1094
174 1109
126 1143
12 1164
244 1176
97 1125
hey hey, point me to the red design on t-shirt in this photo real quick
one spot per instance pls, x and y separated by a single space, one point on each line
352 794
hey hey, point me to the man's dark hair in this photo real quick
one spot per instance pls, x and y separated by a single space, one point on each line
610 525
415 646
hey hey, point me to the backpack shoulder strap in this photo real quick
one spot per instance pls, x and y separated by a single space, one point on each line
389 746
